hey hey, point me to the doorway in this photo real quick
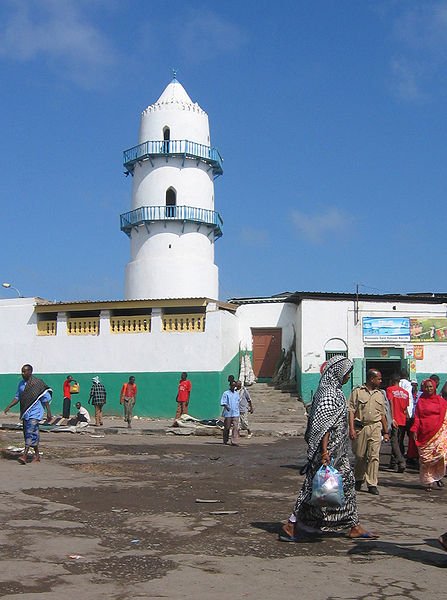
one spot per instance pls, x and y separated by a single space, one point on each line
266 351
387 360
166 139
171 202
388 368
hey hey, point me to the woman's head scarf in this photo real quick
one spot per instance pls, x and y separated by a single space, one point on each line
329 402
424 393
334 372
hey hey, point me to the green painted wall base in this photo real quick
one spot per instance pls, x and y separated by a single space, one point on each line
309 385
156 391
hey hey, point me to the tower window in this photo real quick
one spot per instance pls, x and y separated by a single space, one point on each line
171 202
166 138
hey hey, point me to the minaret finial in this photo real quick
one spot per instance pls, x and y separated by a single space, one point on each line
174 74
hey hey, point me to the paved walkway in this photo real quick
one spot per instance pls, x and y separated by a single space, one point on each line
122 516
275 414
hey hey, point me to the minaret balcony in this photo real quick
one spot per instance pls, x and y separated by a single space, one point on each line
183 149
145 215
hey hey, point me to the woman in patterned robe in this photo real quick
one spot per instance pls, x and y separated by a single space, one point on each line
429 431
328 442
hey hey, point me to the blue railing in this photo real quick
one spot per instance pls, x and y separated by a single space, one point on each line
178 148
185 214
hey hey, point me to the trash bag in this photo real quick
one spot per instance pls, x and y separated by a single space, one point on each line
327 487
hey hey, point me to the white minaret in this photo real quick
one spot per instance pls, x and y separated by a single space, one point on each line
172 225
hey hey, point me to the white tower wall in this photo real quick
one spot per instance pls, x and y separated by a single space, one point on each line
180 242
193 184
172 247
188 123
177 279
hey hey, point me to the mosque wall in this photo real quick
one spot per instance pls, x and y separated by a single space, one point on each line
155 358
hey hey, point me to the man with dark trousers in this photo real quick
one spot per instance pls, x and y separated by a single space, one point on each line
66 407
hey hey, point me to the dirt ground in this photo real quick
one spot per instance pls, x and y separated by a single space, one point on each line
117 517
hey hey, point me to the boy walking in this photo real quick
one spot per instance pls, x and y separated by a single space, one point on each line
230 413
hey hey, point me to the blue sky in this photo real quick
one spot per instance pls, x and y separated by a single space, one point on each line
330 115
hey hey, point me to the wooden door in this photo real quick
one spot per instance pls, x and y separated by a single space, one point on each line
266 351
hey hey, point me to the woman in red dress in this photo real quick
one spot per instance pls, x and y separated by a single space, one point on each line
430 434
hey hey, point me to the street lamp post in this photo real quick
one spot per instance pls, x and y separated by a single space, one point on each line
8 285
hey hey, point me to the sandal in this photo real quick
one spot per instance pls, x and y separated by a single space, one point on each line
366 535
428 488
440 483
22 459
283 536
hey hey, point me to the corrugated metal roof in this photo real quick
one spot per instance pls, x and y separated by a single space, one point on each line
297 297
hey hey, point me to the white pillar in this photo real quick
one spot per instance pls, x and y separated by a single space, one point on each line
104 322
61 327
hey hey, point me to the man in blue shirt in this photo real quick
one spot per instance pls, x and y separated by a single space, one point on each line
34 395
230 413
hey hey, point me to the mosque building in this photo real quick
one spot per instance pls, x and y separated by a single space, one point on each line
171 319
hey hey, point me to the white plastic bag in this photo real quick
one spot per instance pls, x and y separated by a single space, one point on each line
327 487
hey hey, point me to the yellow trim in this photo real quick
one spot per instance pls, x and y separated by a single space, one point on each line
181 323
130 324
46 327
83 326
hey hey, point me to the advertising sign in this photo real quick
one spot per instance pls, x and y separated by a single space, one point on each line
419 352
428 330
409 351
386 329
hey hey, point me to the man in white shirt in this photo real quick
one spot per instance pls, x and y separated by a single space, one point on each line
82 417
406 384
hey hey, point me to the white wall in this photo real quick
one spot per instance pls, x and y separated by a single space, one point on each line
325 319
192 182
321 320
18 333
299 334
177 277
185 121
226 338
177 241
153 352
208 351
281 314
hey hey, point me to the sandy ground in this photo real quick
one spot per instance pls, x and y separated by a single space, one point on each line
116 517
